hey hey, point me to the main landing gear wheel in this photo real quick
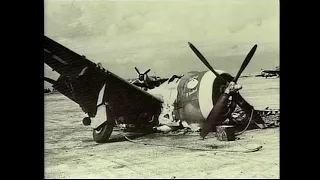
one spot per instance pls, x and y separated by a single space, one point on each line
103 133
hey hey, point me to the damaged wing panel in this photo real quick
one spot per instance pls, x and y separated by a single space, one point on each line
126 99
81 81
62 59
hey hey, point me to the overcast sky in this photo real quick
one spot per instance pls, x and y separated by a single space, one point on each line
154 34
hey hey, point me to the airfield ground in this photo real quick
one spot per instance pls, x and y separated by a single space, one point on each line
70 151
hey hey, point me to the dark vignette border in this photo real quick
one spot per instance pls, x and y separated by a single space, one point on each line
26 108
23 82
296 131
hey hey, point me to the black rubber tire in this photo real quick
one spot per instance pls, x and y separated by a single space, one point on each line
103 134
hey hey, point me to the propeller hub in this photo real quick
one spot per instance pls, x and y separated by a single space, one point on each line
232 88
141 77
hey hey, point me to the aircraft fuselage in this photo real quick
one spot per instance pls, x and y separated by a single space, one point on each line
193 96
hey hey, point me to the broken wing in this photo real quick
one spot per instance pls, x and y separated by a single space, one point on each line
81 81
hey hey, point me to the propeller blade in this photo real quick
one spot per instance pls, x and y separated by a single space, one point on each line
147 71
204 61
137 70
222 110
216 116
245 62
247 108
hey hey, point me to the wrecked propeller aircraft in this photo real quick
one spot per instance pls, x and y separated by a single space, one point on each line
196 100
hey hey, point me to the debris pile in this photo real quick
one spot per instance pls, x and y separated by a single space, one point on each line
166 120
270 117
238 115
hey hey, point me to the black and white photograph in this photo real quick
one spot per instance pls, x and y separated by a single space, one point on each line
161 89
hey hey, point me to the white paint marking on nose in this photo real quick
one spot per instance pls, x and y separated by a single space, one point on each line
205 92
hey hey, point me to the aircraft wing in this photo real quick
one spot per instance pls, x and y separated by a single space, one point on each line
271 71
143 85
139 83
81 81
125 98
160 81
62 59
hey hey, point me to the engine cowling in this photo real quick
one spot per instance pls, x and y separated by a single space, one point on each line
197 94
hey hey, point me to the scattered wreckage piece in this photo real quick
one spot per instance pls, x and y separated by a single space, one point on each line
225 133
271 117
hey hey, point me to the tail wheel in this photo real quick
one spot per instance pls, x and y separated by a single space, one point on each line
103 133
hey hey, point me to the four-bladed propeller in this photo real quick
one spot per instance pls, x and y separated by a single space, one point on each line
215 116
141 75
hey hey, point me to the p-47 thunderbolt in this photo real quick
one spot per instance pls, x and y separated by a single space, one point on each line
199 100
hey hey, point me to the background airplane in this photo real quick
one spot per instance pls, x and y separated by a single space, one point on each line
109 100
148 82
270 72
